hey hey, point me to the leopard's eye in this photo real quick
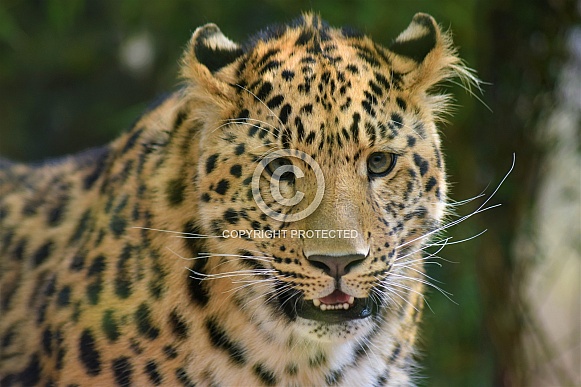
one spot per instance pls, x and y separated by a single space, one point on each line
380 164
278 162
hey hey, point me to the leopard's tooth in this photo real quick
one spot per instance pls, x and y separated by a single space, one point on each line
346 305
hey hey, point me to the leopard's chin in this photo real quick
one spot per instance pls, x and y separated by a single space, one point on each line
295 305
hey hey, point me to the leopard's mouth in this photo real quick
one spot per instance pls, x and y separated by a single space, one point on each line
335 308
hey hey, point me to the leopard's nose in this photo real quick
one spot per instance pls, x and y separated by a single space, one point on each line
336 266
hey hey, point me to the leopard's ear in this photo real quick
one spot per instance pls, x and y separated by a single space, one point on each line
207 57
423 55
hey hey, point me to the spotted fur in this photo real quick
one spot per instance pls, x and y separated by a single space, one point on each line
115 269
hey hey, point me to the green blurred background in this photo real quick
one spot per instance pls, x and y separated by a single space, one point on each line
75 73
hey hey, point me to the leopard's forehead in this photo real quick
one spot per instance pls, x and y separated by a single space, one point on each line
326 87
314 58
306 41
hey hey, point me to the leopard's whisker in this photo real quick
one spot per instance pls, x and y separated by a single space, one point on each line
247 124
483 207
233 274
264 104
395 292
243 120
425 282
180 233
386 284
441 245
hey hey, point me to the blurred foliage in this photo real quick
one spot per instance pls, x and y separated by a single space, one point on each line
68 81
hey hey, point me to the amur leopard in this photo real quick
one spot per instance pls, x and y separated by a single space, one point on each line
263 225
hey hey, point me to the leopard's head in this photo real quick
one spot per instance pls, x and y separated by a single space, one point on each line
320 175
